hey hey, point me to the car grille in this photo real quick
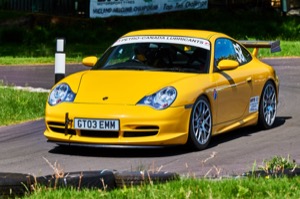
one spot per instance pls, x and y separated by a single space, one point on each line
138 131
60 128
142 131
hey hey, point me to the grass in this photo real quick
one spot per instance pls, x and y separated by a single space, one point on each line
12 61
288 49
188 188
19 106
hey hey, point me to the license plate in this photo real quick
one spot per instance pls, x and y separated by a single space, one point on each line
96 124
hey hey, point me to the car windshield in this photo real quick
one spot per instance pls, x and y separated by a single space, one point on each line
156 57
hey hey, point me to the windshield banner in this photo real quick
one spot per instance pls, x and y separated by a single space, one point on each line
108 8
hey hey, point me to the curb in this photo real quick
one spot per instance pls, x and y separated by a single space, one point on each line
18 184
15 184
128 178
103 179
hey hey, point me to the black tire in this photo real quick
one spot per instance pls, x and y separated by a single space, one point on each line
134 178
267 106
200 124
15 184
103 179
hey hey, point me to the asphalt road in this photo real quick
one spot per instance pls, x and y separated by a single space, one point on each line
41 76
24 149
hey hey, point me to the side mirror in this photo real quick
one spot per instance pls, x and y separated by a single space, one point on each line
227 65
90 61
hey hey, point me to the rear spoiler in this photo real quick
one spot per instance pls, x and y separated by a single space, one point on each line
274 45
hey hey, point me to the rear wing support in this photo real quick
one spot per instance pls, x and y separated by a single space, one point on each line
256 45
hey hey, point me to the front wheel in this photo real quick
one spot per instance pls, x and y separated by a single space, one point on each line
267 106
200 124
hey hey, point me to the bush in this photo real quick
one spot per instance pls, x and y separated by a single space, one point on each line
13 35
37 33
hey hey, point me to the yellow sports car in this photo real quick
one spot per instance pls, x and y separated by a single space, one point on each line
164 87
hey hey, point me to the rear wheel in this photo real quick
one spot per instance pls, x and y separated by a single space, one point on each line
200 124
267 106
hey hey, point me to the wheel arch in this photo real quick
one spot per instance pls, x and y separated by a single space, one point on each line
276 85
210 99
192 140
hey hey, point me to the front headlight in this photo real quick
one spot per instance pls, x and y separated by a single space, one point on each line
161 99
61 93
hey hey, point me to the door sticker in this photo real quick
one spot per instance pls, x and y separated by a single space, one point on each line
239 53
215 94
254 102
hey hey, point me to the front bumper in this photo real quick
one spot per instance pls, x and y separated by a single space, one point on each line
139 125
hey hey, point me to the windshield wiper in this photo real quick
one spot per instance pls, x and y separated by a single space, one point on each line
128 66
178 69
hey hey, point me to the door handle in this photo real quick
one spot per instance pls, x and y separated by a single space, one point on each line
249 79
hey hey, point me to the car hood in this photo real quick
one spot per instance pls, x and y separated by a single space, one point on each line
123 87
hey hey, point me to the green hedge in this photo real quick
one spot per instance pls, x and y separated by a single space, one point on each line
35 34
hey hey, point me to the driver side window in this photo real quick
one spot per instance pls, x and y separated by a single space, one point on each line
230 50
224 50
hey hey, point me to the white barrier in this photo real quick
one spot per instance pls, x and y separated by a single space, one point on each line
60 60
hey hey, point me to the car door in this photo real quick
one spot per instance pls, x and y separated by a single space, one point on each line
234 86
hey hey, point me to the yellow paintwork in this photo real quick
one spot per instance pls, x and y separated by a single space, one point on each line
106 94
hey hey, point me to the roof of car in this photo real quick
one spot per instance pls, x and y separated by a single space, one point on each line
175 32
